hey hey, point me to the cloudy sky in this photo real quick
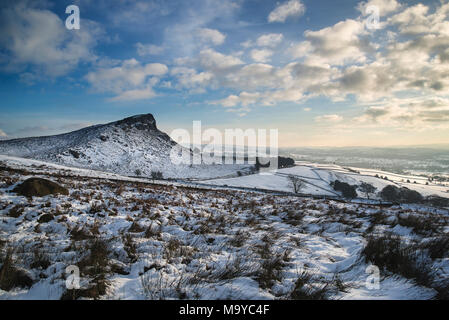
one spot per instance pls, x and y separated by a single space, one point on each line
322 72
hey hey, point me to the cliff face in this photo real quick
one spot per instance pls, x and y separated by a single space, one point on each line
123 146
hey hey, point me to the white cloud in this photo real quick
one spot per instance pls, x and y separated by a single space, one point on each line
300 50
336 45
190 79
182 35
419 113
129 81
213 36
417 20
329 118
292 8
136 94
336 62
385 6
148 49
270 40
213 60
261 55
243 99
38 38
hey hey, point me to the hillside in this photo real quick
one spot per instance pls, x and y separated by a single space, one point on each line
132 146
317 179
133 239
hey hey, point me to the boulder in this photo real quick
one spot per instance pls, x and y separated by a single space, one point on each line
38 187
46 218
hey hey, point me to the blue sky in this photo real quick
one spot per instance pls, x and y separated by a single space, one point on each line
316 70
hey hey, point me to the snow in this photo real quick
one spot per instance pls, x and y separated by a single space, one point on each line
209 243
318 177
130 147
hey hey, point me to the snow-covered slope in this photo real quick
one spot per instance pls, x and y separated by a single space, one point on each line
129 146
136 240
317 179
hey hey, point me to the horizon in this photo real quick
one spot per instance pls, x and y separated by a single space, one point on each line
426 146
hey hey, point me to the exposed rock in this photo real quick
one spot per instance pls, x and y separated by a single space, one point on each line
38 187
46 218
75 154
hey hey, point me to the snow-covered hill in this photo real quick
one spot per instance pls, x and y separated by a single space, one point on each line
132 146
317 179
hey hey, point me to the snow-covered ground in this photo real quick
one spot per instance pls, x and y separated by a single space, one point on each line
318 177
136 240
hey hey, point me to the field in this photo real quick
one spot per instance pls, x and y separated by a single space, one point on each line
317 179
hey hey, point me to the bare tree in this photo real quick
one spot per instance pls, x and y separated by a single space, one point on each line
296 183
367 189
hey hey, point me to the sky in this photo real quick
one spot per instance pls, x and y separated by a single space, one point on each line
324 73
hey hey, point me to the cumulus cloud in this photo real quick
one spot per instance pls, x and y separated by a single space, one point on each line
212 60
135 94
191 79
416 20
129 81
261 55
336 45
38 38
340 61
191 33
292 8
209 69
270 40
418 113
385 6
243 99
213 36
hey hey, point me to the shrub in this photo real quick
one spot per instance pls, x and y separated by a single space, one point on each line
12 277
346 189
156 175
16 211
438 248
389 253
410 196
390 193
402 195
304 290
96 261
367 189
46 218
